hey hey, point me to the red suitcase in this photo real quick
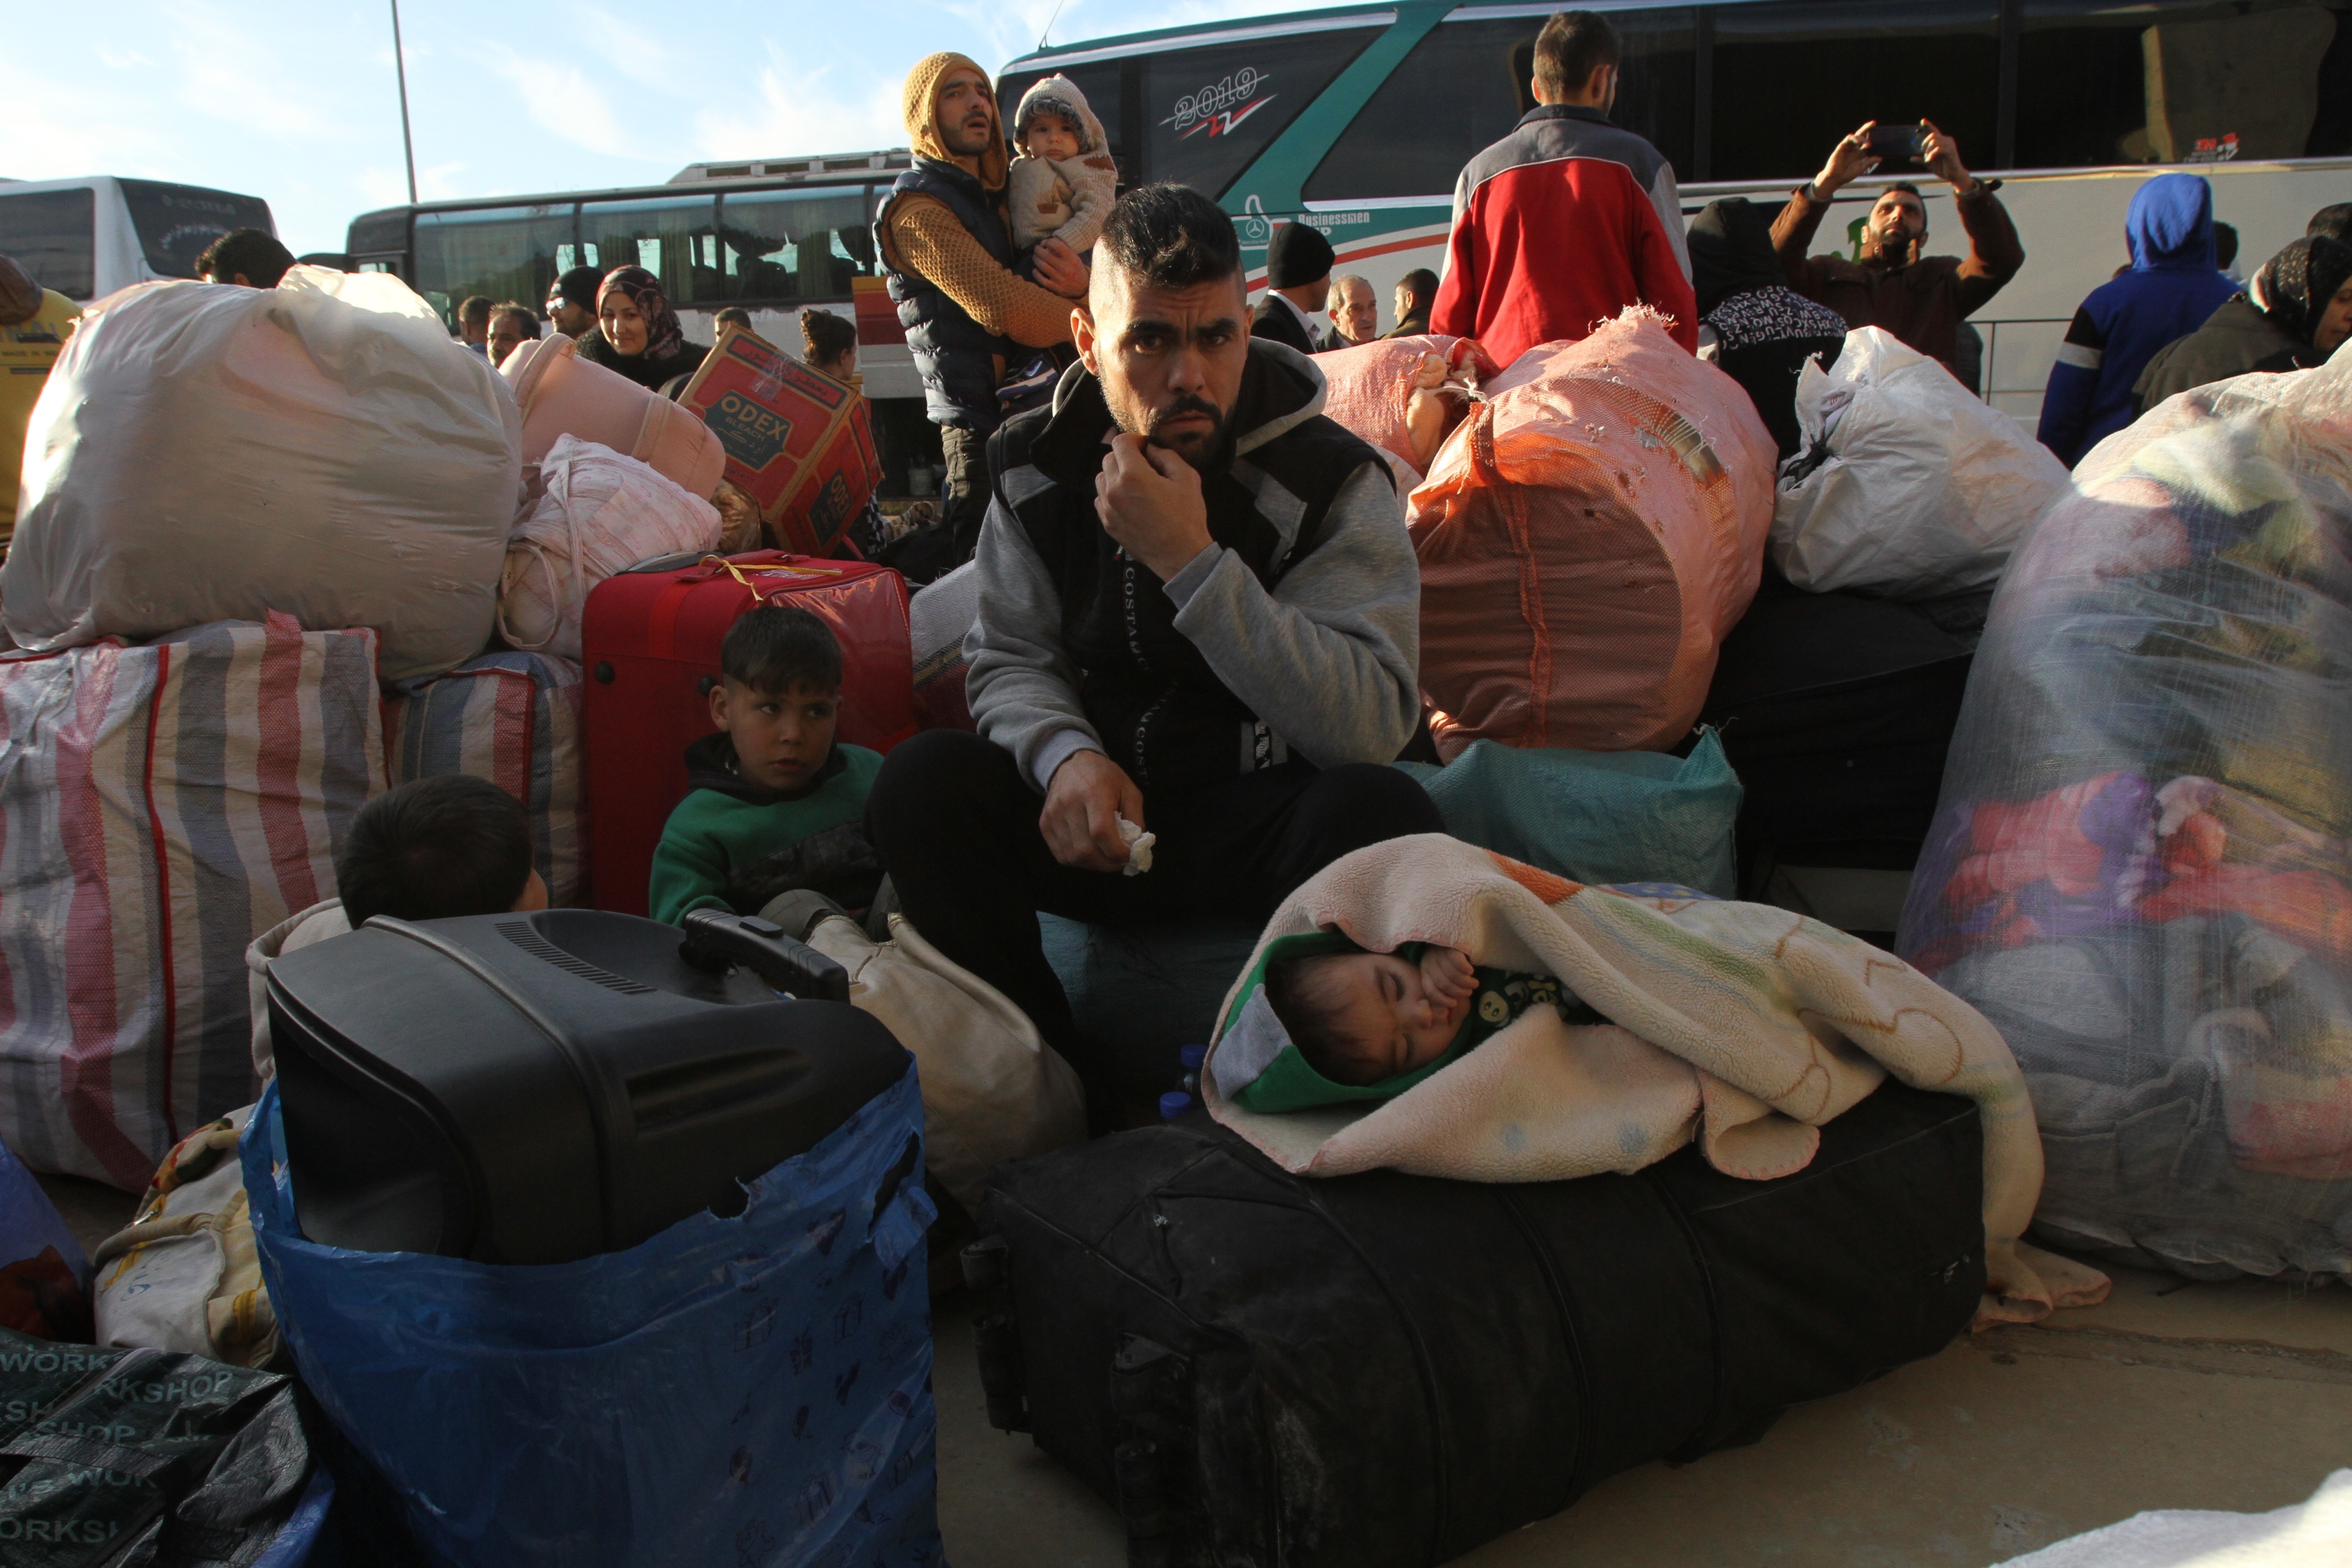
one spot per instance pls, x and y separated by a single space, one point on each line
649 643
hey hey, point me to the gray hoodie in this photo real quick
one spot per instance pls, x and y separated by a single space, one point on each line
1328 660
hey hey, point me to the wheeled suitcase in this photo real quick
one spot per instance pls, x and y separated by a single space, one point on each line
1380 1371
649 640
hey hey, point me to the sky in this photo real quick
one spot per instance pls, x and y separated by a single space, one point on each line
506 97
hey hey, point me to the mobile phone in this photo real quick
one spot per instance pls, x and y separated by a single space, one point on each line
1897 141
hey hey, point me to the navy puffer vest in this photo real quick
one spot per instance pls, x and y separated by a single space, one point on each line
955 355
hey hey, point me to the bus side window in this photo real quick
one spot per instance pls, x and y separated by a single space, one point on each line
504 253
2178 83
52 234
1468 82
673 238
1791 79
798 246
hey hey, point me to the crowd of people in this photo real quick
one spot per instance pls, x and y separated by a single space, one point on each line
1197 601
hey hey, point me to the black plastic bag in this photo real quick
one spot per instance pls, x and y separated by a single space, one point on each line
145 1459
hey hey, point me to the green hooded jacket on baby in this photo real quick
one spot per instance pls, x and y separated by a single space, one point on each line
1258 1067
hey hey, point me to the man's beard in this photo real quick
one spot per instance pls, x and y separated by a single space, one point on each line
1209 441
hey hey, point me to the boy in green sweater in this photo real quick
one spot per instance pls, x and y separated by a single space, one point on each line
774 805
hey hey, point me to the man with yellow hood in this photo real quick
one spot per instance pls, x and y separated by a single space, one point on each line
948 256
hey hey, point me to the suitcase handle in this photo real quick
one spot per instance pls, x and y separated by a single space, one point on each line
716 938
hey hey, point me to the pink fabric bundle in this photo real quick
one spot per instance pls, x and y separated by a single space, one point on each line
1586 540
1372 385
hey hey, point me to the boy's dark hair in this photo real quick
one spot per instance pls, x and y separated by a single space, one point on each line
1422 284
475 307
2225 244
452 844
1304 1017
733 316
1170 236
776 647
827 336
257 256
1571 46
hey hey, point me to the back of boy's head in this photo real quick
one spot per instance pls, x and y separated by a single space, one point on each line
434 847
776 647
1305 995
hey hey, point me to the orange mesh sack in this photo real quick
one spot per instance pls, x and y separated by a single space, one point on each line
1586 539
1372 385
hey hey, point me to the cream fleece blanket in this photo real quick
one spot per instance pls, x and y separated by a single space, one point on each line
1744 1026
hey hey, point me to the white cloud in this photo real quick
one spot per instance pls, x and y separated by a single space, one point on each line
802 111
562 101
640 56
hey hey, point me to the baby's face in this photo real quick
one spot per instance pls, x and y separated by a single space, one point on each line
1051 137
1391 1020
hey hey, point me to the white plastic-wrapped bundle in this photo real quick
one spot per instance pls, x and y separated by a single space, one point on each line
2141 868
209 452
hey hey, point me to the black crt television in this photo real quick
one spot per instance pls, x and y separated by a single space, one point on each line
543 1087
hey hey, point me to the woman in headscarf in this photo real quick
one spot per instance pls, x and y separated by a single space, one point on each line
1752 325
2290 318
637 333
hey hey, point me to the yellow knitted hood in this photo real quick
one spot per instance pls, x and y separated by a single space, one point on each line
919 107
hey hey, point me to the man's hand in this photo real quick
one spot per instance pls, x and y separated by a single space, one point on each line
1149 501
1086 796
1942 156
1059 269
1848 159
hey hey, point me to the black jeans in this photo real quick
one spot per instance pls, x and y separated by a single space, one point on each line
928 554
956 824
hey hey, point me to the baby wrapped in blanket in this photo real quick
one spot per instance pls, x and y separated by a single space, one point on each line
1359 1026
1596 1029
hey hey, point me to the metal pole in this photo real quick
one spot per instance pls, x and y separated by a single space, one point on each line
399 69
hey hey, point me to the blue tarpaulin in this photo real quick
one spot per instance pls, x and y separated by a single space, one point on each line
750 1390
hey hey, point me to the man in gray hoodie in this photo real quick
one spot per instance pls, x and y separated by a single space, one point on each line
1199 614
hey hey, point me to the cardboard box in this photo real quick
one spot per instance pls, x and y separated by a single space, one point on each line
802 443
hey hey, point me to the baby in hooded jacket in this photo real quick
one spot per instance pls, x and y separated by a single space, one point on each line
1062 181
1326 1023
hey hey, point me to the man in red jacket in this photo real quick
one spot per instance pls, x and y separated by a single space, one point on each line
1568 219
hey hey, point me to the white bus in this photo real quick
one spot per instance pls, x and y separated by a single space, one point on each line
1357 119
88 236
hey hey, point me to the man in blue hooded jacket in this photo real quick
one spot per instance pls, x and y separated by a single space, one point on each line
2172 287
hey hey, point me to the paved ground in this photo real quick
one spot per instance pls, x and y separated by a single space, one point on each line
2170 1396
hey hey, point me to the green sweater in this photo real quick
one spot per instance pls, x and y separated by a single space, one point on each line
733 845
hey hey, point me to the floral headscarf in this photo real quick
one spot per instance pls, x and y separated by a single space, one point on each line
663 334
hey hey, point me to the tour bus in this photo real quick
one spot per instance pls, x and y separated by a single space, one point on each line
1357 120
773 237
87 237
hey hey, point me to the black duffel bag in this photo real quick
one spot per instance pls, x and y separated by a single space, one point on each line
1384 1369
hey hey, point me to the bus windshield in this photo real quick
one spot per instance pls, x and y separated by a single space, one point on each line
176 222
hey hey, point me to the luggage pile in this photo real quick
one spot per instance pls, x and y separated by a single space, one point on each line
1587 538
281 550
2141 866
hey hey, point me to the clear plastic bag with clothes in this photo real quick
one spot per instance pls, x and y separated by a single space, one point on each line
2141 866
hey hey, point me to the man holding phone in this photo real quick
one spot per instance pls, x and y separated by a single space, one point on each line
1921 299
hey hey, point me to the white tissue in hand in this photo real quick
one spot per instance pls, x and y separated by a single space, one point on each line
1138 846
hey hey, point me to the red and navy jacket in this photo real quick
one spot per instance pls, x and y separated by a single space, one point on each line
1557 228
